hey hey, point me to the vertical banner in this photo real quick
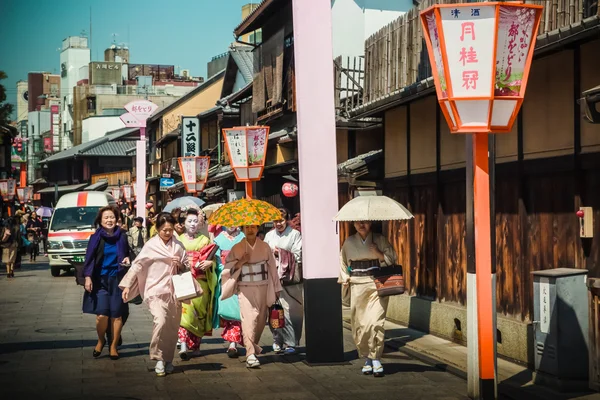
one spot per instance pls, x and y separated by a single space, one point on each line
53 141
190 136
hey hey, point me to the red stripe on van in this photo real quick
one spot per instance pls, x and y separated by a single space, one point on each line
82 199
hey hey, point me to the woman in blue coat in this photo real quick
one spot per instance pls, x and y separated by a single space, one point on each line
106 254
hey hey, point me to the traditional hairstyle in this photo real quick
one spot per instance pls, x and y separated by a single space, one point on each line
164 218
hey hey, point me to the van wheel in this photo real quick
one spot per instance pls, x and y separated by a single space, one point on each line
55 271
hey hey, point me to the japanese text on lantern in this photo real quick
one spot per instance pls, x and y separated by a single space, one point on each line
256 142
468 53
237 143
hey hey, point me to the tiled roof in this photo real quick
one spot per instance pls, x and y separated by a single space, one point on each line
244 59
117 148
85 147
358 162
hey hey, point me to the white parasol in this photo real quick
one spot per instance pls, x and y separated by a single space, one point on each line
372 208
209 209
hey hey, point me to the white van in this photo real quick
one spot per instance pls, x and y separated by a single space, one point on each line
71 226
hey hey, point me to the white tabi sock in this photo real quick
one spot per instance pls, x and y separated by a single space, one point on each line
376 364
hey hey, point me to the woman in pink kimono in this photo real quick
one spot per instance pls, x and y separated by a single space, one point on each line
251 273
150 276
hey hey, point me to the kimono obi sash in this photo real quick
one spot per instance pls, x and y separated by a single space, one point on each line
254 272
364 267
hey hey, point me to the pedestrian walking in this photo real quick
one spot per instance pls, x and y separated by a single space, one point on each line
251 273
362 254
226 314
137 237
286 244
196 318
150 276
105 258
9 242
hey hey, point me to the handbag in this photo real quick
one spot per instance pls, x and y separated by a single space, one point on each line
185 286
389 281
229 309
276 316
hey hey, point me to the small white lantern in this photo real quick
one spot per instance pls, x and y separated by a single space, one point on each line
194 171
247 149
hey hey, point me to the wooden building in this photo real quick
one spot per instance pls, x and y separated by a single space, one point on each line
545 169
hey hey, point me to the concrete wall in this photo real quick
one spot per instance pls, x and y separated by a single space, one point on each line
96 127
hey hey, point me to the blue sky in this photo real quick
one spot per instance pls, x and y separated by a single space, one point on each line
184 33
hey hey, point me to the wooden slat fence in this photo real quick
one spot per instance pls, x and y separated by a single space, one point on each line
396 56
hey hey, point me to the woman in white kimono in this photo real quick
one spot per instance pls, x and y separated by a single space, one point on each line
361 254
150 276
251 273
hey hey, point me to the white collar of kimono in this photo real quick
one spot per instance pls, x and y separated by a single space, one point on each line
366 239
249 245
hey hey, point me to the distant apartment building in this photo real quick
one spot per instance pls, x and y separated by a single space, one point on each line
109 86
22 100
74 57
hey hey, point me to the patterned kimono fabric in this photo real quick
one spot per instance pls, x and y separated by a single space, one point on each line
232 328
196 318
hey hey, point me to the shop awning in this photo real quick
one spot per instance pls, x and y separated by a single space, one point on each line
63 189
168 138
213 191
101 185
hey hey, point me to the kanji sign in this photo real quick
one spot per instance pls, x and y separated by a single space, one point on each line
190 136
140 110
480 55
247 147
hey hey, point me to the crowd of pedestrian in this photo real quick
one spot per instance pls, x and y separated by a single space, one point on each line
21 235
239 276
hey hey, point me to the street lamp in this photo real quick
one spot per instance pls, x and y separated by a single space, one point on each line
194 172
247 149
480 55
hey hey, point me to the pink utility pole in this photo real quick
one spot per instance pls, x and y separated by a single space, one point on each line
313 57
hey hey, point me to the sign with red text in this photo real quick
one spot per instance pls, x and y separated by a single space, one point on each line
140 110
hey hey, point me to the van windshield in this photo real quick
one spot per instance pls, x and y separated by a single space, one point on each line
73 218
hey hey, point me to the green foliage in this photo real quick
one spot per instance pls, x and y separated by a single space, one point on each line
5 108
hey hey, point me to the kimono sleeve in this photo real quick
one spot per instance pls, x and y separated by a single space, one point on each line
184 260
273 275
297 247
388 251
344 276
229 277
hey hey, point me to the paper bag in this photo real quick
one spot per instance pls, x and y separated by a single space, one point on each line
185 286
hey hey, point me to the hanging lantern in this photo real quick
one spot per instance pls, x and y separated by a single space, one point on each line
24 194
289 189
11 189
128 193
194 171
116 193
247 148
480 56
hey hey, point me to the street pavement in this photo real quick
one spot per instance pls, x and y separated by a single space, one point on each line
46 345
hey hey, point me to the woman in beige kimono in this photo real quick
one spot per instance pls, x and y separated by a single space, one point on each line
251 273
150 276
361 254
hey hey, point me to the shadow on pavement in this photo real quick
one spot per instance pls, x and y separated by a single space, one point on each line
6 348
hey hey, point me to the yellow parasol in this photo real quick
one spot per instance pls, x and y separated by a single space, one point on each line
245 212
